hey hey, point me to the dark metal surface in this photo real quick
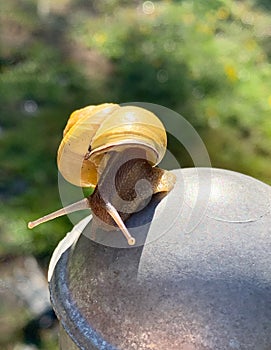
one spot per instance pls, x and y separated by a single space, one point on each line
202 280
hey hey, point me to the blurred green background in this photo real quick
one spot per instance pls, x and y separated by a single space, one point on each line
207 60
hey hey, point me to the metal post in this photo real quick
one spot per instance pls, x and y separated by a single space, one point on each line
202 280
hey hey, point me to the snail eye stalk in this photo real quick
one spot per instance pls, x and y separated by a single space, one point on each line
80 205
116 217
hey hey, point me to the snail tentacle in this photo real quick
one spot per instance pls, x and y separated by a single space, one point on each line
118 220
80 205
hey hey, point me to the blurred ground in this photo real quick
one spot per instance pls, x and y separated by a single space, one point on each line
210 61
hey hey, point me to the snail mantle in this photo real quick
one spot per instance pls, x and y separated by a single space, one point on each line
201 279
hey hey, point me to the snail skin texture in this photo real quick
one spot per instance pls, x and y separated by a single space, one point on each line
114 150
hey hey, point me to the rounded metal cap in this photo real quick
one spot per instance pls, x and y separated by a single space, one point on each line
202 280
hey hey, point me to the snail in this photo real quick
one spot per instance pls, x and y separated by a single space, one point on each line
114 150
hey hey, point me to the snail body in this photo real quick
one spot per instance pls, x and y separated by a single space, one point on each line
112 149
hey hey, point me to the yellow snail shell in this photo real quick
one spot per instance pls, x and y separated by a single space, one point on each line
94 130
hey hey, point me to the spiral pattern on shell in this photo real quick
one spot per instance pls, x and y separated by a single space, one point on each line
94 131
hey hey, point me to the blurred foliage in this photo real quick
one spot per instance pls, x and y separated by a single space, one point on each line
208 60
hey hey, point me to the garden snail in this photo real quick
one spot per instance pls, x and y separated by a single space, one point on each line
111 148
